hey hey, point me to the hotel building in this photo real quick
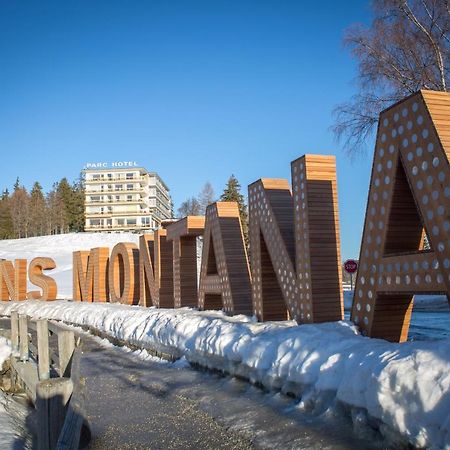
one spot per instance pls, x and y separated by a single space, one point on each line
124 198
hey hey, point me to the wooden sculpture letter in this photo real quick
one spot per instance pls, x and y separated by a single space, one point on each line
301 269
124 274
37 277
148 286
90 275
225 273
409 193
13 279
185 274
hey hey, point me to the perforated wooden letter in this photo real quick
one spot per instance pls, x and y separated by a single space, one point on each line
90 275
37 277
185 274
294 242
409 193
124 274
13 279
225 273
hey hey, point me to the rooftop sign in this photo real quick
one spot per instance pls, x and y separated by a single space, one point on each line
112 165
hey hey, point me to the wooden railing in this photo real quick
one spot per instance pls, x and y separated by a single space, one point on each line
43 372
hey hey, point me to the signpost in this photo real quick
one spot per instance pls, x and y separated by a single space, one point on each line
351 266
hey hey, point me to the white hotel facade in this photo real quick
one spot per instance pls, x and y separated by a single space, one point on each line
122 196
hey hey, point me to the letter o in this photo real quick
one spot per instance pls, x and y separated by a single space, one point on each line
123 274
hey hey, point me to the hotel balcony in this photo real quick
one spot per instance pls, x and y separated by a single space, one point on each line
112 191
115 202
106 180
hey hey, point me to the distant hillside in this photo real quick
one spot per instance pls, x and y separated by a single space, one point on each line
60 248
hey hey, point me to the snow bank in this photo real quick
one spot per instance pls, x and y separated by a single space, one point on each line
406 387
5 350
9 435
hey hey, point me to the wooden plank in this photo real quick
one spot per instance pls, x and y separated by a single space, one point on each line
52 397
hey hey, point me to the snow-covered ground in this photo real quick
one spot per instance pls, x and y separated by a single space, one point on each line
405 386
12 414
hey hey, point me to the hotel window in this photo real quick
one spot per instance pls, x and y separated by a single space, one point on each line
131 221
95 222
119 187
130 176
145 221
95 198
130 187
95 176
120 221
129 198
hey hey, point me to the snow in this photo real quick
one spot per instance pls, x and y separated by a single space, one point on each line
404 386
12 414
401 388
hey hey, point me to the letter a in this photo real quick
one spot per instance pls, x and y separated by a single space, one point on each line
409 193
225 273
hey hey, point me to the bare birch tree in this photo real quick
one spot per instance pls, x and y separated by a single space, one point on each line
406 48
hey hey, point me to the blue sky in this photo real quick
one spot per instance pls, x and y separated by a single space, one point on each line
195 90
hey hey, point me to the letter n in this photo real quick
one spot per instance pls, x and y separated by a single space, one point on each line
13 279
294 244
90 275
225 273
409 196
148 285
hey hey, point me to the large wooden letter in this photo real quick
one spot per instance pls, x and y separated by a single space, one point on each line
156 270
300 270
148 286
13 279
185 274
90 275
124 274
409 192
225 273
37 277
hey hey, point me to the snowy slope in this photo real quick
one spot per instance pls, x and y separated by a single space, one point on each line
60 248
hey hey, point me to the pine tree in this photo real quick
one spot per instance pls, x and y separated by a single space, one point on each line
77 212
38 211
19 207
6 225
232 193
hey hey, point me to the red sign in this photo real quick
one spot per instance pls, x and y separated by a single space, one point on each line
350 266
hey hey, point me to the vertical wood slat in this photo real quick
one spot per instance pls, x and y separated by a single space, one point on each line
43 349
52 397
66 346
15 331
23 338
